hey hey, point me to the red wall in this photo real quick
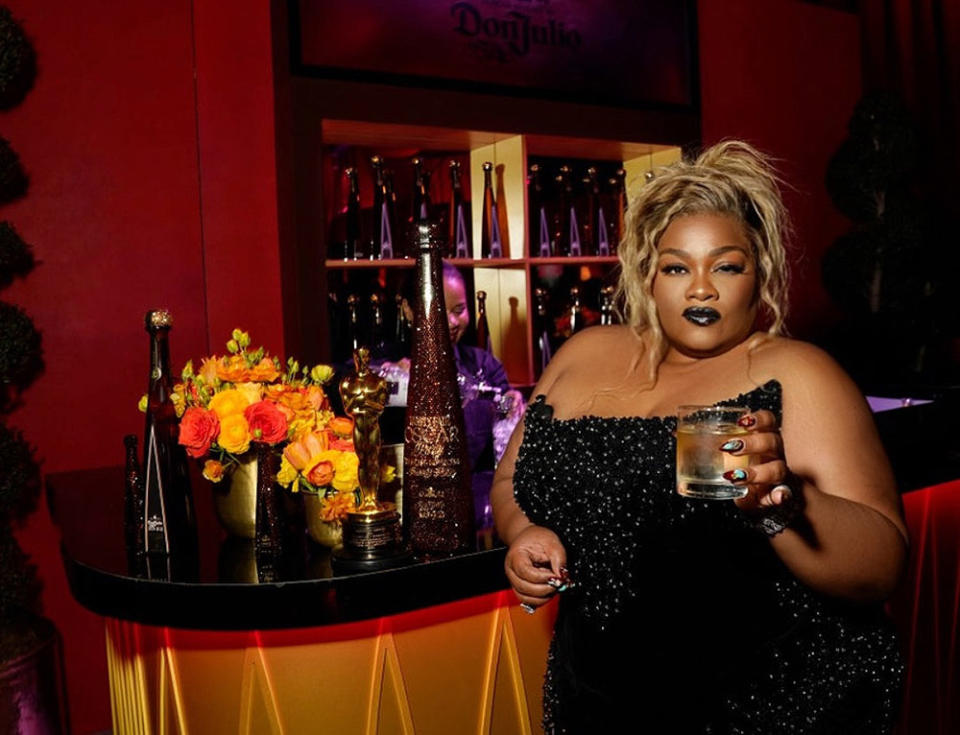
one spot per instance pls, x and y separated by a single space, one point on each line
152 186
785 75
148 187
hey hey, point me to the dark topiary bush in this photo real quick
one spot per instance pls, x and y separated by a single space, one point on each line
16 256
13 180
20 352
18 62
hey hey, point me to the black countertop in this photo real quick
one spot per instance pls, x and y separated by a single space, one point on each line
224 592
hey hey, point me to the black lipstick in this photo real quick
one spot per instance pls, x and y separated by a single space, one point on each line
702 316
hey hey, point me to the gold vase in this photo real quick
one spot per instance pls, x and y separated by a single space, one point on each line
235 500
325 533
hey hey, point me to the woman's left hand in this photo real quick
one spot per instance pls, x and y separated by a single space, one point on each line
766 477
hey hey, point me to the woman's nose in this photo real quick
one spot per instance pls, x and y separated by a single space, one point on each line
702 289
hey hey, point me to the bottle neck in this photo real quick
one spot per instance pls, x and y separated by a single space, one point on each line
159 360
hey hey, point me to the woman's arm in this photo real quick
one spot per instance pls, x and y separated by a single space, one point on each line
851 540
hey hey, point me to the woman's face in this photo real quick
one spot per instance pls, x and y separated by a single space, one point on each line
705 286
458 315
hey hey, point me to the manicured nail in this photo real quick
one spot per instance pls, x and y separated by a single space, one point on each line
528 609
554 582
737 475
746 421
734 445
563 588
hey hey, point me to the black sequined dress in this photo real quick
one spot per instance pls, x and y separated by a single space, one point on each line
684 620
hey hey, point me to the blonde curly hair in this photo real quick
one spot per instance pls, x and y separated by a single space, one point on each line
730 178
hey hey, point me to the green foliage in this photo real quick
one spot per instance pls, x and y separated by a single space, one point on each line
16 257
13 179
18 62
20 478
21 357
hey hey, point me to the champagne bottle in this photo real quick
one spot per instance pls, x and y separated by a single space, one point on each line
458 242
540 242
170 526
381 245
594 228
483 329
542 349
391 199
491 244
132 499
437 496
352 242
606 306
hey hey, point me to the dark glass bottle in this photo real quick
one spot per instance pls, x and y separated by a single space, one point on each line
542 350
571 222
391 199
352 245
401 332
437 498
576 311
607 316
458 237
353 324
593 213
483 329
381 242
377 339
540 240
170 526
269 523
133 517
620 206
491 243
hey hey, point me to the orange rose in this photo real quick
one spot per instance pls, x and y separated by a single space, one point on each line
234 434
297 455
233 369
321 475
228 403
335 506
315 397
267 423
213 470
342 445
198 428
341 425
294 400
264 371
208 370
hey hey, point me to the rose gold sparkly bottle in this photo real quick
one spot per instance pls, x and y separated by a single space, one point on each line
437 499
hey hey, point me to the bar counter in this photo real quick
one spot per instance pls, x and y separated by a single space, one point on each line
432 647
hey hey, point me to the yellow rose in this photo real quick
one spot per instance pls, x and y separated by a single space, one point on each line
234 434
345 469
213 470
228 403
287 473
179 406
251 391
321 374
142 403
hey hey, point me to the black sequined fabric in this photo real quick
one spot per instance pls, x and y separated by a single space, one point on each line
683 619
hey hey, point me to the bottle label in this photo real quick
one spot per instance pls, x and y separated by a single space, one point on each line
574 234
603 244
428 438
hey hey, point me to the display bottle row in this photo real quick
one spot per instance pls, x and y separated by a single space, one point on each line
574 211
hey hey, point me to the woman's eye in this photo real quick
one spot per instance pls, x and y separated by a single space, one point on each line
673 268
731 268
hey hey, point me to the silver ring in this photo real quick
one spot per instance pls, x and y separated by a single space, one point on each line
528 609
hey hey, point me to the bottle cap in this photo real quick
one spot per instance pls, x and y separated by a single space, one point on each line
158 319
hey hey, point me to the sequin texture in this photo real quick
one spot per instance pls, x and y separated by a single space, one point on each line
716 634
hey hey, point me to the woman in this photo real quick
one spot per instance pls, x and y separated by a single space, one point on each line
759 615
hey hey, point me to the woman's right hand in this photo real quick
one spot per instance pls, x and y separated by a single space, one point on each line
535 558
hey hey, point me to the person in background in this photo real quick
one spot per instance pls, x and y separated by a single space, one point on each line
681 615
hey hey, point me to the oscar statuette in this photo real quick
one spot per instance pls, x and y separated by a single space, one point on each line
372 537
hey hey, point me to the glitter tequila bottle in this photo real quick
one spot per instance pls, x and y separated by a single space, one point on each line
437 497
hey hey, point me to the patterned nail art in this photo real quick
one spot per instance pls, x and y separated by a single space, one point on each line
746 421
737 475
734 445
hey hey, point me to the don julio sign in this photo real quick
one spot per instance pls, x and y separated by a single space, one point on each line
622 52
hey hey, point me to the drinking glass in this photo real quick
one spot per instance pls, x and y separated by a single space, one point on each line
701 431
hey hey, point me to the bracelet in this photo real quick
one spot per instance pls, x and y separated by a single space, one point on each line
776 519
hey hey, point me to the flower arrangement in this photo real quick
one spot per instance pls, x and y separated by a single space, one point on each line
246 397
